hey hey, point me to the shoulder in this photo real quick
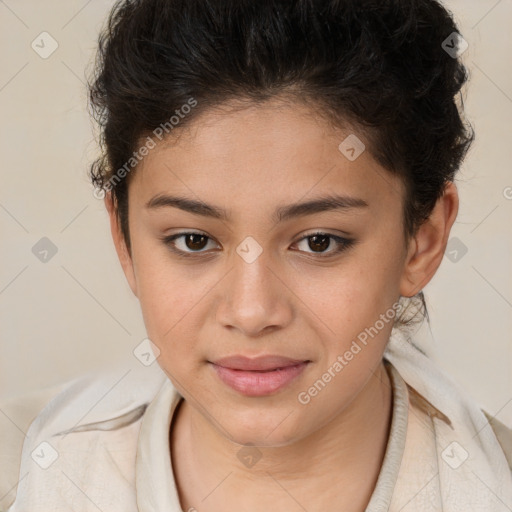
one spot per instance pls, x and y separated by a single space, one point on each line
456 415
15 419
102 401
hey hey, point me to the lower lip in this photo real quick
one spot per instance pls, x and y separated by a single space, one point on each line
252 383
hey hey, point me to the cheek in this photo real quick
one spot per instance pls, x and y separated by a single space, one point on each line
347 298
165 292
168 304
174 300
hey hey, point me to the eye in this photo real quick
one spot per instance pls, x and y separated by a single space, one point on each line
187 243
324 243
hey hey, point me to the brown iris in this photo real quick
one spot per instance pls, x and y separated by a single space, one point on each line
318 243
196 241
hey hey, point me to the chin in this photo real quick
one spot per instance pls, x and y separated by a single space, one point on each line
268 432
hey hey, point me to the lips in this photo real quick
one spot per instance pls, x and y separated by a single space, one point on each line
261 364
260 376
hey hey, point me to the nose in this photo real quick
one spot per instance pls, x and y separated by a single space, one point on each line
255 298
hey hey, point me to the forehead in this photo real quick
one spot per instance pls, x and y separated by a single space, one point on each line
266 154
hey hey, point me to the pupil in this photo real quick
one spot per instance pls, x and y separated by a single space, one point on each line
193 243
318 242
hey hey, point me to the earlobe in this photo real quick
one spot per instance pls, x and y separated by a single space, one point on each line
123 253
427 249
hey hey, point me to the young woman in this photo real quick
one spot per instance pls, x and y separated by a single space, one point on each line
279 178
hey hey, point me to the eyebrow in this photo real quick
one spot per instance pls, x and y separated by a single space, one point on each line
282 213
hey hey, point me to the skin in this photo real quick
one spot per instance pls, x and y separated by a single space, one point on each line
291 301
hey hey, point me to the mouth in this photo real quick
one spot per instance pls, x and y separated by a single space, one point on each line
260 363
258 377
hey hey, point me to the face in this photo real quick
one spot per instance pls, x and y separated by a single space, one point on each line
247 271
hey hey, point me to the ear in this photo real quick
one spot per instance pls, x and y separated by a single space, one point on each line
427 248
123 253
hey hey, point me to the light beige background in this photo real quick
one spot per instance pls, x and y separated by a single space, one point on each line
75 312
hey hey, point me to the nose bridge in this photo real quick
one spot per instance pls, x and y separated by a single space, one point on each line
251 278
253 296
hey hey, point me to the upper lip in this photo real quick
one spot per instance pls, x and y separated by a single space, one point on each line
268 362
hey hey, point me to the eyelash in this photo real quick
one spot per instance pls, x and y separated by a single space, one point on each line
343 244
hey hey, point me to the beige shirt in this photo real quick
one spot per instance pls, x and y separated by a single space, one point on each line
122 461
